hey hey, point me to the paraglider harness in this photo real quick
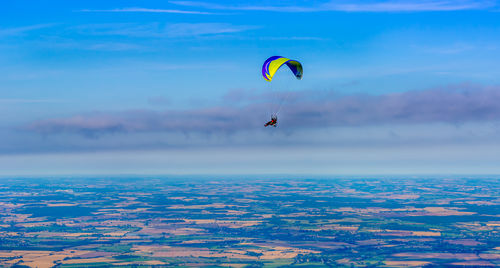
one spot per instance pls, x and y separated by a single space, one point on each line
273 122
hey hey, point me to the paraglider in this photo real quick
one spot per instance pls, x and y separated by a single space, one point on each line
273 122
269 69
272 65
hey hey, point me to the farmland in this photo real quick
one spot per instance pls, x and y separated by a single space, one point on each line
221 222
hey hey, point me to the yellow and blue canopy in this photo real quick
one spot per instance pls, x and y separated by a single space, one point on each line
272 65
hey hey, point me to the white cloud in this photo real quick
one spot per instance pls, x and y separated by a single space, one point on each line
197 29
23 29
355 6
148 10
163 30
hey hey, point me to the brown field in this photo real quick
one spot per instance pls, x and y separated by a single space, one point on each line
464 242
140 263
226 223
406 263
490 256
61 204
267 252
171 231
422 233
433 255
40 259
215 205
89 260
474 264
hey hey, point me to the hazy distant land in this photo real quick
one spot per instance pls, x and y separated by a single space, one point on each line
250 223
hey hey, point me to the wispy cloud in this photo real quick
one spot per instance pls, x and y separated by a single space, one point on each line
207 5
294 38
311 109
197 29
402 6
163 30
355 6
97 46
147 10
24 29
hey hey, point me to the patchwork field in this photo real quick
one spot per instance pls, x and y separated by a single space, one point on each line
168 222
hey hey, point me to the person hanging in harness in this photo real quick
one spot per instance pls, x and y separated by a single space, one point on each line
269 69
273 122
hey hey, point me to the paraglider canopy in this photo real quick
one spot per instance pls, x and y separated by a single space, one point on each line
272 65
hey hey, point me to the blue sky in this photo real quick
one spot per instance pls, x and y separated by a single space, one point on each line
174 87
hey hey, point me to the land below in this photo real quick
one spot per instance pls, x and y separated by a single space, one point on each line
212 222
